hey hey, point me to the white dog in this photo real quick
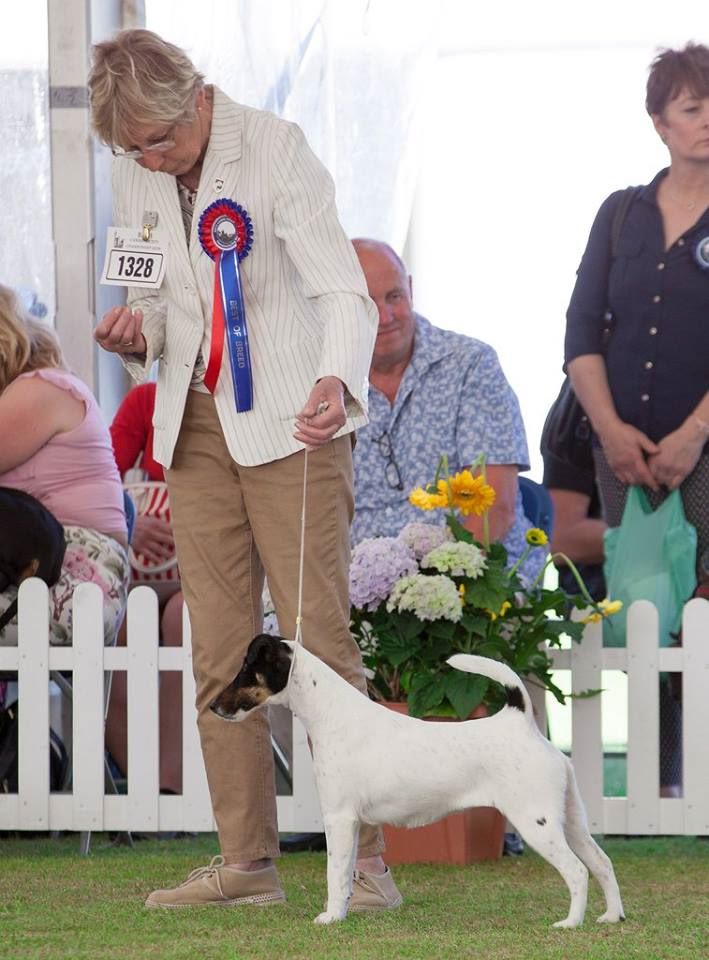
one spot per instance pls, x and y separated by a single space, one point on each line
375 766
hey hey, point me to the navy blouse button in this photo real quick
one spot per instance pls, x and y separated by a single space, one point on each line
649 364
680 242
645 397
660 265
656 298
653 331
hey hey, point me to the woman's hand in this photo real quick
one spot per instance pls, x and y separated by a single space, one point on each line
152 539
677 455
626 449
120 331
323 415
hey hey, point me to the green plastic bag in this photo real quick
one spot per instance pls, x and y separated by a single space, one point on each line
651 556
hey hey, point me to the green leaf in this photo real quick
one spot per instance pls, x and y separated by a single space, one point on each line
465 691
426 693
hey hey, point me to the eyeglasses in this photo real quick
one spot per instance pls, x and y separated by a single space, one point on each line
136 153
391 470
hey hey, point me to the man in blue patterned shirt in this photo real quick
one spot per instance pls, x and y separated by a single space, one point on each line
432 392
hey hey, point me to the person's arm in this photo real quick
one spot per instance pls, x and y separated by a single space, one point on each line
129 430
624 446
305 219
679 451
503 478
32 411
135 332
574 533
490 423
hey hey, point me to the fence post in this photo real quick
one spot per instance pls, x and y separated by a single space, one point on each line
142 693
586 738
33 680
695 716
643 719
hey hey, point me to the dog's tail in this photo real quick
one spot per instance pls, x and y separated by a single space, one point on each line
517 695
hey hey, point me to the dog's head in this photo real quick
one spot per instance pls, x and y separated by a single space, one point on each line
263 676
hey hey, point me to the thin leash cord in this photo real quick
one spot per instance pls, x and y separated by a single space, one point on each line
299 615
322 407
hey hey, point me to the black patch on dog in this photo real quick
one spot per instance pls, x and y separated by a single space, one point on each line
264 673
515 698
31 543
542 821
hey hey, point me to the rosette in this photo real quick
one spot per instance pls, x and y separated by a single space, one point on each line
226 234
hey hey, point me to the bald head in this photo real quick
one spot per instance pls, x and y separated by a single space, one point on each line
389 286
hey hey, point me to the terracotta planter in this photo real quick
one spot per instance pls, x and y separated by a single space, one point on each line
460 838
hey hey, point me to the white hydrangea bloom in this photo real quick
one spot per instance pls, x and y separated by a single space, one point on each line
459 559
429 597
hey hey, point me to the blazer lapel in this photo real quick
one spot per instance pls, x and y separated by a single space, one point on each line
220 170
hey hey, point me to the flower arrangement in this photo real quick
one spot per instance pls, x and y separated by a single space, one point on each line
433 591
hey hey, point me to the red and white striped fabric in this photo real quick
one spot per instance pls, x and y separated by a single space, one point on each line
151 500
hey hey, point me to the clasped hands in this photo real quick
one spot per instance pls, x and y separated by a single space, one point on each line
635 459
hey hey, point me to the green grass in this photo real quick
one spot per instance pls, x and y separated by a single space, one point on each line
56 904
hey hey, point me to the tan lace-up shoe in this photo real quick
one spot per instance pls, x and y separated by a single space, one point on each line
221 886
371 892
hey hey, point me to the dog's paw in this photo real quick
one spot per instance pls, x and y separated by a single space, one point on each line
327 917
567 924
610 916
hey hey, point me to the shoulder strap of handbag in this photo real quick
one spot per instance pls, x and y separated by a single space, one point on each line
621 212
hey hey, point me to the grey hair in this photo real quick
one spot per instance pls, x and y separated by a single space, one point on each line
139 79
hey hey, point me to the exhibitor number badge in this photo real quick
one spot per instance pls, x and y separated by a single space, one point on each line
132 261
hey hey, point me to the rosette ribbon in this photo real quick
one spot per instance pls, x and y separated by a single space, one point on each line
226 234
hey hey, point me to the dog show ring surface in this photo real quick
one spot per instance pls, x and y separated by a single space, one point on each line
460 838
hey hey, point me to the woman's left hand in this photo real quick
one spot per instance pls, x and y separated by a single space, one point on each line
678 455
323 415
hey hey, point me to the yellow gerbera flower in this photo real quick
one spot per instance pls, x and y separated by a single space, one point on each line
592 618
536 537
471 494
609 607
427 501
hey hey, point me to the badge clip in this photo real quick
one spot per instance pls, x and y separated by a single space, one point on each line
150 220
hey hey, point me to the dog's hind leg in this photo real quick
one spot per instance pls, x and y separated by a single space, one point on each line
585 847
546 836
341 835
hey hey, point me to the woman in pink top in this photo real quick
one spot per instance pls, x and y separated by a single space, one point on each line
55 445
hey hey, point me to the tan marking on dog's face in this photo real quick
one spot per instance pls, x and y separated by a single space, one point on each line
257 694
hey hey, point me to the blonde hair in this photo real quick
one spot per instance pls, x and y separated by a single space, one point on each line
25 343
139 79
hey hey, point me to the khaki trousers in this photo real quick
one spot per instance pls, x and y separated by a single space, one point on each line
232 524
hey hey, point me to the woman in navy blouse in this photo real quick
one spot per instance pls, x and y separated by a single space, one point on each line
646 389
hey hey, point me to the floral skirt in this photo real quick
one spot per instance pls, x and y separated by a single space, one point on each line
91 557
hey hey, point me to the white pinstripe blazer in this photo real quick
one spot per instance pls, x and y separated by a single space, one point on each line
307 309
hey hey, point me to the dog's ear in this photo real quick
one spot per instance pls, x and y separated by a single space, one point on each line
264 648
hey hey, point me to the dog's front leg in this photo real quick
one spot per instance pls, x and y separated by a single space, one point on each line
341 836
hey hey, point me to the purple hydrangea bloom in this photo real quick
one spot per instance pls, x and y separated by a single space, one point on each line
377 563
424 537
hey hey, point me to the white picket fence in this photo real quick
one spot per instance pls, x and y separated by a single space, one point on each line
87 807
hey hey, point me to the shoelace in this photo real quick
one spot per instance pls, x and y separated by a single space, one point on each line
214 864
